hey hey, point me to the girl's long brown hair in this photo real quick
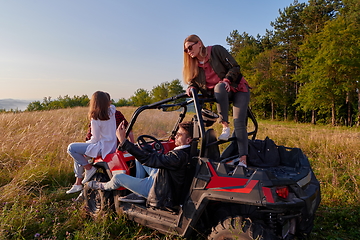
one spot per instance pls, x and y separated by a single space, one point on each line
99 106
190 68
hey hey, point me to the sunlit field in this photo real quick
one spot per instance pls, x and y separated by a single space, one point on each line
36 171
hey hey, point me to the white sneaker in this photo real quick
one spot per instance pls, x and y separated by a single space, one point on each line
74 189
132 198
237 162
88 174
225 134
242 164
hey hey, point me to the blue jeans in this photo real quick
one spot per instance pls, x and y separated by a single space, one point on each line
240 106
140 184
77 152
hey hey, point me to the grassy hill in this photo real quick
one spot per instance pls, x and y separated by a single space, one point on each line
36 171
14 104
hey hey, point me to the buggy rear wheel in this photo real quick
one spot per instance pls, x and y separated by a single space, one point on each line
240 229
97 201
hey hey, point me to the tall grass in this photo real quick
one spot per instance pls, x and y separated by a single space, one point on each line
36 171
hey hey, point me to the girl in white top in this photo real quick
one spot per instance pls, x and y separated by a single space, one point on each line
102 142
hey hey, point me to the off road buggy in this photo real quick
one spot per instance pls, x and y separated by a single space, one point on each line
275 197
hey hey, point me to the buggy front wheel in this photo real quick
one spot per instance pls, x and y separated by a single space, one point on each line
98 201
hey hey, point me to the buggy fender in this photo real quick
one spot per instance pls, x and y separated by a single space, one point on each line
104 166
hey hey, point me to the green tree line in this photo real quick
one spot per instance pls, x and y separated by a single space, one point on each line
144 97
61 102
141 97
307 68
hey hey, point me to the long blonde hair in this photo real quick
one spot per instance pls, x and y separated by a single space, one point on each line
190 68
99 106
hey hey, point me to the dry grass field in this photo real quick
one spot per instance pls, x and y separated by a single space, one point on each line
36 171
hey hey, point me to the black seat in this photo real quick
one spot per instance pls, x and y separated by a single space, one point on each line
190 170
212 148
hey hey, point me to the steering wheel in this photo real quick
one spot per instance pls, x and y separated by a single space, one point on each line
144 145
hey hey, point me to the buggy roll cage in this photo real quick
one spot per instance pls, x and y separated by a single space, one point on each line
198 100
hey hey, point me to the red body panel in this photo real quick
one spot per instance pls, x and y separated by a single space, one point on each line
240 185
268 195
117 161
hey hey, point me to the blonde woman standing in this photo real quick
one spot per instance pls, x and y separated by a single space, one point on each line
214 72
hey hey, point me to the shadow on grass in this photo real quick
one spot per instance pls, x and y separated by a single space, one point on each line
337 223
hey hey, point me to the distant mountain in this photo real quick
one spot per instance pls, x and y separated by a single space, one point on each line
15 104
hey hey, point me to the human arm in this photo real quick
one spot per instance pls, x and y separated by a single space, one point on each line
88 134
95 131
225 65
227 84
172 160
188 90
121 133
131 137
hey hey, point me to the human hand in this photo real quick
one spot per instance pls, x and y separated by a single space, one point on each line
120 132
188 91
227 84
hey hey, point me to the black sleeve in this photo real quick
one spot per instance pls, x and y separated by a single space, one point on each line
171 160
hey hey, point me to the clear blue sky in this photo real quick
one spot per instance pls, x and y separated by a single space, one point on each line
58 48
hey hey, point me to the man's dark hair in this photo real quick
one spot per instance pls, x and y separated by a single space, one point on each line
188 127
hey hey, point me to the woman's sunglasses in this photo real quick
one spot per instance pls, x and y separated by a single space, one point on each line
189 48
